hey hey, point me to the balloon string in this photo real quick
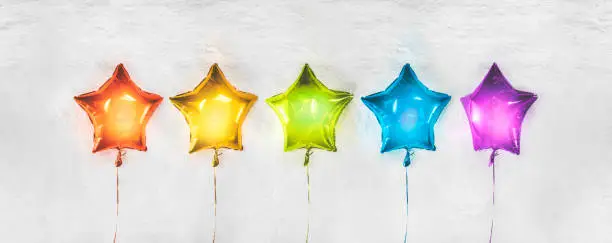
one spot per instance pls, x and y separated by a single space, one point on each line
117 202
406 222
215 203
492 157
307 156
492 164
308 210
119 159
215 161
307 165
215 164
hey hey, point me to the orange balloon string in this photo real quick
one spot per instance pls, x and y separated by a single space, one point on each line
119 160
118 163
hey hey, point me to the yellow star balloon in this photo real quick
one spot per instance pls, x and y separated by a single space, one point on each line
308 112
214 111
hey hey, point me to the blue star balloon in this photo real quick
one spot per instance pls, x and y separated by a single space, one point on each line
407 112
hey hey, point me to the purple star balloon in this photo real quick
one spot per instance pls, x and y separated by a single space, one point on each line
495 111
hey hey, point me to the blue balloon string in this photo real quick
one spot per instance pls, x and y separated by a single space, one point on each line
406 222
409 154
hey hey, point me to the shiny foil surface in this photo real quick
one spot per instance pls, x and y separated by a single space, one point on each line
407 112
495 111
215 111
308 112
119 112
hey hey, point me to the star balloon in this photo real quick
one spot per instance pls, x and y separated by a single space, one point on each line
407 112
308 112
214 111
119 112
495 111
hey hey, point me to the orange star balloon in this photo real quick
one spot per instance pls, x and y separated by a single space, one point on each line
119 112
214 111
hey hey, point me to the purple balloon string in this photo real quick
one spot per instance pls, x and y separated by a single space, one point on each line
492 164
492 158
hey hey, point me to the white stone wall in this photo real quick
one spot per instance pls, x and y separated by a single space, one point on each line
53 190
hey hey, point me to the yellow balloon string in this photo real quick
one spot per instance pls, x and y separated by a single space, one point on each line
215 163
307 165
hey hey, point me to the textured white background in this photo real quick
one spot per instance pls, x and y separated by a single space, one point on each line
53 190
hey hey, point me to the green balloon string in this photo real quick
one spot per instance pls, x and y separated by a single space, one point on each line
307 165
307 156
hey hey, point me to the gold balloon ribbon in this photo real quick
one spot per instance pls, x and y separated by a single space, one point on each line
307 165
215 163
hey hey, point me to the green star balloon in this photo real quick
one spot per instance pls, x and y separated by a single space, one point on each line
308 112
